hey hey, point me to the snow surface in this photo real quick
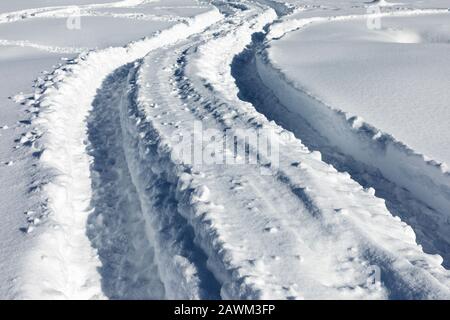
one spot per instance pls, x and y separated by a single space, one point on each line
385 92
17 177
95 32
99 202
395 78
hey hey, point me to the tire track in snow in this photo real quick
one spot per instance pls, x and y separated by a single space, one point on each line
126 236
247 245
62 255
302 232
308 196
394 291
183 265
248 277
117 228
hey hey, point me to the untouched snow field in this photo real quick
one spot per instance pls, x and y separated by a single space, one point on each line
187 149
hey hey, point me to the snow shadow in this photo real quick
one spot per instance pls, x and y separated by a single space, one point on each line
116 226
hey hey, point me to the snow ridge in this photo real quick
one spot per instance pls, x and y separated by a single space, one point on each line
53 49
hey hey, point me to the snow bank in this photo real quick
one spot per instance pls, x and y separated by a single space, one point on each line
427 180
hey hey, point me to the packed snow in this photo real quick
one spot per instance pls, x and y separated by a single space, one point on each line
248 149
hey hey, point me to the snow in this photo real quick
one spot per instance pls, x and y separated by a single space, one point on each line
373 78
46 252
164 155
95 32
11 6
400 89
68 202
81 27
16 187
280 205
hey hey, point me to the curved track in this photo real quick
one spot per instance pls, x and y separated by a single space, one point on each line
123 199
